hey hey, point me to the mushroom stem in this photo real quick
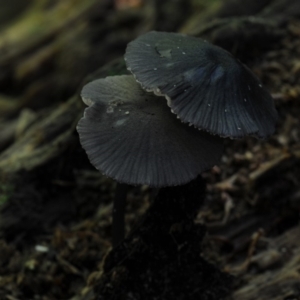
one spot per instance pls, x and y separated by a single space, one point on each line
166 244
118 225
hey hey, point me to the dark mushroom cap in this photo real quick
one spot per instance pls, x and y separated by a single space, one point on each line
204 84
131 136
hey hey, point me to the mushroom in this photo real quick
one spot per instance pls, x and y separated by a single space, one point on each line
204 84
131 136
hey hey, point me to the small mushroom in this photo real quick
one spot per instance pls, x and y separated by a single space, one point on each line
204 84
131 136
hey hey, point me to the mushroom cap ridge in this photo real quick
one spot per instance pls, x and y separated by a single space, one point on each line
204 84
131 136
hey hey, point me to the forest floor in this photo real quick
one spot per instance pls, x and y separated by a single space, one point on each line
55 208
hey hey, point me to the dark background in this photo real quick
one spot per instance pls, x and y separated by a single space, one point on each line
55 208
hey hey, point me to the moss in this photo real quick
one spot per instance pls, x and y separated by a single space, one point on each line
6 191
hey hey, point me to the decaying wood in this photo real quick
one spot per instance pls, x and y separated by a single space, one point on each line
255 193
278 267
44 140
276 163
46 68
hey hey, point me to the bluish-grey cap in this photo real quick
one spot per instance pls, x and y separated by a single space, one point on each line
204 84
131 136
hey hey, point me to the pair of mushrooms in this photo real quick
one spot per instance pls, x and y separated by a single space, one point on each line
129 132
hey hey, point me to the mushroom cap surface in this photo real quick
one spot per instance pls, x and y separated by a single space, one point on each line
131 136
204 84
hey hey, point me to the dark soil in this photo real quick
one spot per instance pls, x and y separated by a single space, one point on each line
239 239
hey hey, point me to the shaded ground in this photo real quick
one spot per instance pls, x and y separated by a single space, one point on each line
55 218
